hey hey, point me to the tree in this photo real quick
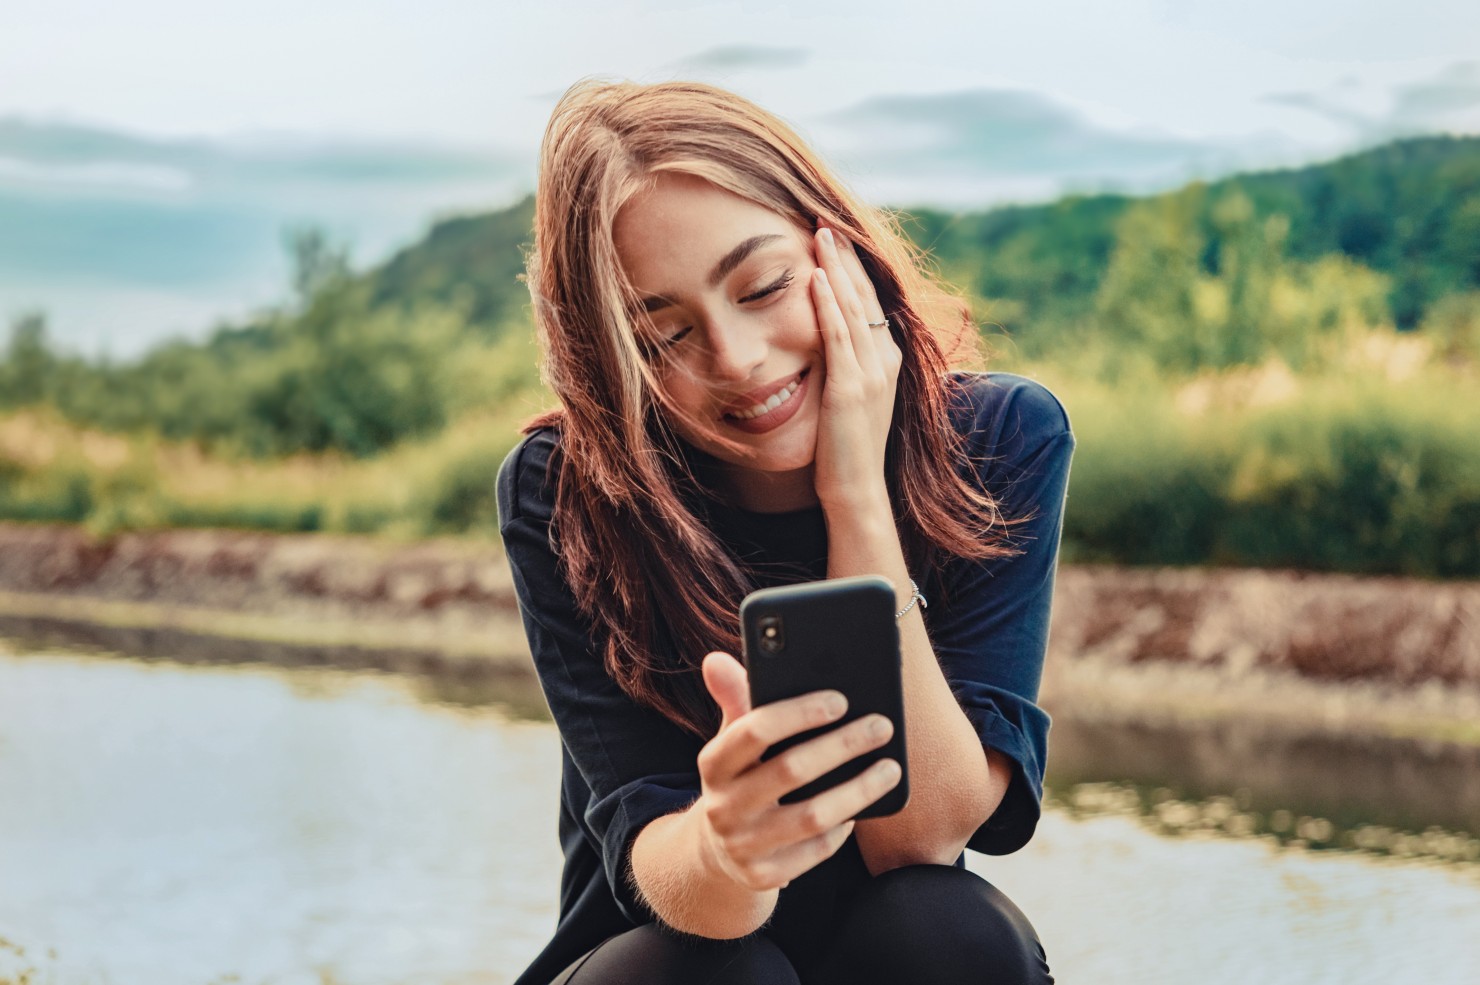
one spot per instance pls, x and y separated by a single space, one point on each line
318 263
26 373
1146 301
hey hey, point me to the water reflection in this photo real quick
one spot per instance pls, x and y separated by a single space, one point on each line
1162 812
432 675
1266 781
515 696
164 823
169 824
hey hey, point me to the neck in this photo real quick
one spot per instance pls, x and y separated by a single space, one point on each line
770 492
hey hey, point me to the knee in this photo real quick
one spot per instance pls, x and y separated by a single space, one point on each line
650 955
940 899
938 923
746 962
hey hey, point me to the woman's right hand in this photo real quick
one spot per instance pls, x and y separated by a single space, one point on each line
744 831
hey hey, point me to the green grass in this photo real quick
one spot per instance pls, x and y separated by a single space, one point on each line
1370 465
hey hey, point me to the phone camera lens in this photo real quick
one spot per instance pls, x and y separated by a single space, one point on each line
773 639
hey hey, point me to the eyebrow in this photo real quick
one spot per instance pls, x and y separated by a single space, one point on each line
723 269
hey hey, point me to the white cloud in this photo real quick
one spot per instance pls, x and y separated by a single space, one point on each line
118 175
740 57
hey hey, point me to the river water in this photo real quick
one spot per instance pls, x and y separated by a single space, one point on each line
185 825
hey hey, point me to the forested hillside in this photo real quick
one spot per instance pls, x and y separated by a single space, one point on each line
1271 369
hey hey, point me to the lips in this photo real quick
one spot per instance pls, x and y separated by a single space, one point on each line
760 395
774 417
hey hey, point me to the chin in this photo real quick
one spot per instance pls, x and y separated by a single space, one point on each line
777 465
794 448
767 460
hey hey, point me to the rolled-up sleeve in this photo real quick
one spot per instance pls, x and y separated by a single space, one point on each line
634 764
992 634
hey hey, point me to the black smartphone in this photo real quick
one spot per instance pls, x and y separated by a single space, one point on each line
836 634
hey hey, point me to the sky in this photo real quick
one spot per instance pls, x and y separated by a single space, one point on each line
153 153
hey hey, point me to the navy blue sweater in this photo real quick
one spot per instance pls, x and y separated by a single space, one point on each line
625 765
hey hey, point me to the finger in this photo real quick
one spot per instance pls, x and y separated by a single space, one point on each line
830 249
738 748
768 783
885 350
801 825
841 803
843 370
853 264
890 356
728 684
797 860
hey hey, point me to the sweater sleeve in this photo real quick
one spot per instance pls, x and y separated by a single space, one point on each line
634 764
991 634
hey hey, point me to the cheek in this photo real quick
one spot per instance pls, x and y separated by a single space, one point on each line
687 392
692 396
796 315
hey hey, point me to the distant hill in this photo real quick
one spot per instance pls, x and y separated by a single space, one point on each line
472 261
1409 209
1199 278
1143 309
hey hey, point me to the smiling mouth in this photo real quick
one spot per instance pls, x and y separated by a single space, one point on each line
775 400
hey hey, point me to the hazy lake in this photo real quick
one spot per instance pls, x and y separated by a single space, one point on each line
163 823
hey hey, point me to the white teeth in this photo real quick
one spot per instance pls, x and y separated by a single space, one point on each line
777 399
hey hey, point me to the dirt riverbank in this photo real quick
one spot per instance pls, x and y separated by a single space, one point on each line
1297 653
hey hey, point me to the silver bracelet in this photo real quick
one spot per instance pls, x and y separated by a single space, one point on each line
916 597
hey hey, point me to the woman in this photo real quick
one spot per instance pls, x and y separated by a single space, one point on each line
753 373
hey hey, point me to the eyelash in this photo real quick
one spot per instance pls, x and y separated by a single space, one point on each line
780 284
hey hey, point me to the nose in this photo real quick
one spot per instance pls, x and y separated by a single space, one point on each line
737 347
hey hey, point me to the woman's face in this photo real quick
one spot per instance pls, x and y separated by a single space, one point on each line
725 292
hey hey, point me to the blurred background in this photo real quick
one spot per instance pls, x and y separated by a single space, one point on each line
265 711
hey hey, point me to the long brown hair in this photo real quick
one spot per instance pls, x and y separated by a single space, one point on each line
626 524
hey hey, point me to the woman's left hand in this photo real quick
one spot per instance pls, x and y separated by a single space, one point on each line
862 370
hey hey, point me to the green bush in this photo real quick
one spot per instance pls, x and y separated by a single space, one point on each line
459 495
1147 484
62 494
1357 476
1367 480
285 518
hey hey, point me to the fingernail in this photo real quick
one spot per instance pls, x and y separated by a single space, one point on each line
879 727
836 704
826 236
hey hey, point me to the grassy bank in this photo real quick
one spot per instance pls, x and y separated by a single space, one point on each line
1370 466
1374 470
1302 654
1272 370
54 471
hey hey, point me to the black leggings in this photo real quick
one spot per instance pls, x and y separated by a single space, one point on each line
921 924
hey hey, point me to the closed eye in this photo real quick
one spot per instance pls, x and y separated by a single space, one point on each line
780 284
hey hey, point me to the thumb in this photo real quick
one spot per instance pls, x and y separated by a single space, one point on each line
728 684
